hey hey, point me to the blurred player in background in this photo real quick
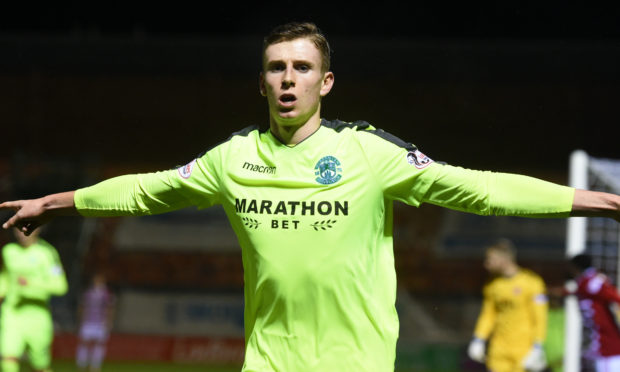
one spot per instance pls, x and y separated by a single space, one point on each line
554 343
598 301
33 273
96 313
513 319
311 203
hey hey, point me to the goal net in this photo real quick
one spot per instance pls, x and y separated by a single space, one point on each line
599 237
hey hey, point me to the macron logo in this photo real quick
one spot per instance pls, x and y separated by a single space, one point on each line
259 168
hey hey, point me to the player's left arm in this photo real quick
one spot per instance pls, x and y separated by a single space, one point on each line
4 284
507 194
536 360
486 319
407 175
540 308
608 292
4 278
596 204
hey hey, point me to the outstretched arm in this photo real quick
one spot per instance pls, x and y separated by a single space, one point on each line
127 195
32 213
596 204
504 194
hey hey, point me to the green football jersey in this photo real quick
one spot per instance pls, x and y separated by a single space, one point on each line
39 266
314 222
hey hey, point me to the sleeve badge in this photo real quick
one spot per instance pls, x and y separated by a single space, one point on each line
186 170
418 159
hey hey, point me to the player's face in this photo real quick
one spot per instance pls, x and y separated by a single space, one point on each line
293 82
494 261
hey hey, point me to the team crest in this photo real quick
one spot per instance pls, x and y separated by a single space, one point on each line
328 170
186 170
418 159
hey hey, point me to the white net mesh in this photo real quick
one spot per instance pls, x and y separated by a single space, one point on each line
602 237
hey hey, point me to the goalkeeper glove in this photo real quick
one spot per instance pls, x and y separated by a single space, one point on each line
536 359
477 349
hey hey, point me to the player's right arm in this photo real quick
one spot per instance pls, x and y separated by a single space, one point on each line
128 195
4 280
601 288
32 213
486 319
484 326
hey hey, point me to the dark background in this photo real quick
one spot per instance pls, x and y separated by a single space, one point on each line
511 87
524 19
89 90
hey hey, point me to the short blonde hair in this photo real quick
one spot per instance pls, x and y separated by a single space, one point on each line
298 30
504 247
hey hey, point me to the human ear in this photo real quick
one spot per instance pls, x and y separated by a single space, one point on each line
261 85
328 83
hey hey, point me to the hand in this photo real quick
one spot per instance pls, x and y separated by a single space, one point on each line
596 204
556 291
535 360
477 350
30 214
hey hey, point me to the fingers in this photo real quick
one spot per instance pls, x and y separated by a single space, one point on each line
24 222
25 225
15 205
11 222
28 228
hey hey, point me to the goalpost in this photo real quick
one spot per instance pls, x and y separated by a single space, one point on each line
599 237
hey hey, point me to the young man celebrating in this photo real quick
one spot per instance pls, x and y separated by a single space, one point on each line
32 273
310 201
513 319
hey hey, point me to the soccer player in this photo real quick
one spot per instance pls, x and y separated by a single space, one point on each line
311 203
597 299
96 314
33 274
513 319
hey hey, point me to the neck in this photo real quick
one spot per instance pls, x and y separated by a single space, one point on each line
510 270
293 134
25 243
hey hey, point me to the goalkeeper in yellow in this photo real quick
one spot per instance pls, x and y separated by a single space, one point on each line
30 273
513 319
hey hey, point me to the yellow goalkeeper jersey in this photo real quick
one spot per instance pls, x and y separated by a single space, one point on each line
514 312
